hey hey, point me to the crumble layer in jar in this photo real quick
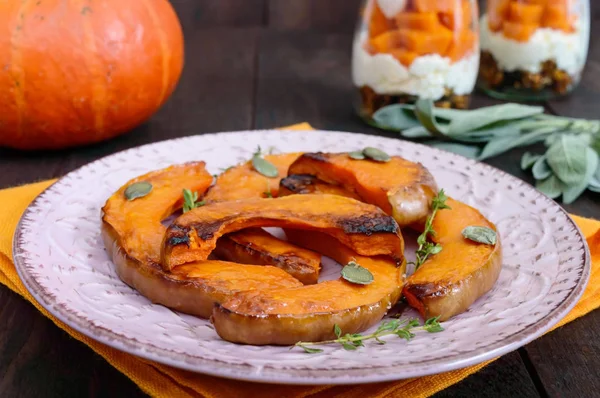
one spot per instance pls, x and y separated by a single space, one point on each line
409 49
533 46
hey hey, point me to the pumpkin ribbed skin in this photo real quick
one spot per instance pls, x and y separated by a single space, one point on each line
75 72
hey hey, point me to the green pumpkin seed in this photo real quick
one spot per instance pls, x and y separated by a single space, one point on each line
480 235
264 167
138 190
376 154
354 273
356 155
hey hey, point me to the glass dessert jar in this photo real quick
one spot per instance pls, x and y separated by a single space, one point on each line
533 49
409 49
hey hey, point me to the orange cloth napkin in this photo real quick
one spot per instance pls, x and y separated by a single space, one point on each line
164 381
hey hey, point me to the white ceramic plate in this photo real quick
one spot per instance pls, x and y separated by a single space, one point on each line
61 259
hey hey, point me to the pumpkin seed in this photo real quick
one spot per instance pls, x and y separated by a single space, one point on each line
376 154
138 190
354 273
356 155
480 235
264 167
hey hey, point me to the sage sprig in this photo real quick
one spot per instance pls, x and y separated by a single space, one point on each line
402 328
569 166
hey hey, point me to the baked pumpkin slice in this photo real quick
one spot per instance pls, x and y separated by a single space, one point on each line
253 246
401 188
244 182
364 228
133 233
450 281
309 313
257 246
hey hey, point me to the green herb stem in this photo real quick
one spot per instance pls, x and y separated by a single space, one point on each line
427 248
403 329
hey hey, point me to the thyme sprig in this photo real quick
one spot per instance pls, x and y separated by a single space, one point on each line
351 341
427 248
190 200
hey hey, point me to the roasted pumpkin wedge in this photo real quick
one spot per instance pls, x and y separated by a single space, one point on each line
450 281
401 188
256 246
137 222
363 227
244 182
309 313
133 233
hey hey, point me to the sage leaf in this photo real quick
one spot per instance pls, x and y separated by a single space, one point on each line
356 155
396 117
567 158
595 181
573 191
483 235
485 134
502 144
468 151
482 117
595 144
354 273
138 190
264 167
528 160
552 187
424 110
416 132
540 169
376 154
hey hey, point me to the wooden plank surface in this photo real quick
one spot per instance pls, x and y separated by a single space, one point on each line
267 63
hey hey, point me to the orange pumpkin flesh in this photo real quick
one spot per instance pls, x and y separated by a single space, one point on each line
449 282
401 188
132 232
256 246
309 313
362 227
81 72
243 182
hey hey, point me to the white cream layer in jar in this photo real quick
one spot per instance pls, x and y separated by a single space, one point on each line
427 77
568 50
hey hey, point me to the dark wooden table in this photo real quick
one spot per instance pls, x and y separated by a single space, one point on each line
262 64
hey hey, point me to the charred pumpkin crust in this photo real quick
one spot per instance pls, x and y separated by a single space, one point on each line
318 156
298 183
368 225
363 225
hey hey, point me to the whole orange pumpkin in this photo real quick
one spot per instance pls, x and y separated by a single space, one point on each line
74 72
